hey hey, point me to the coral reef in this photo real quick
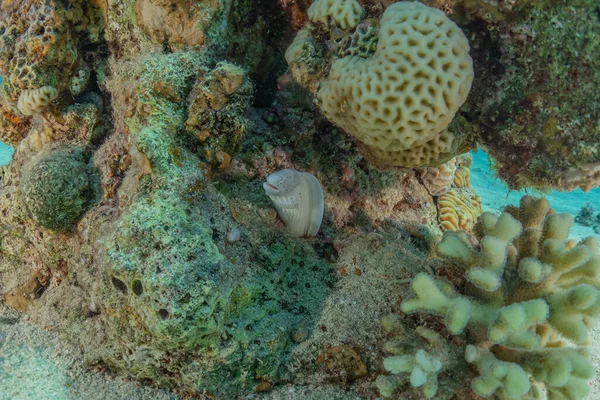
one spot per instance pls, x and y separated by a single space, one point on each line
141 267
537 119
529 293
135 226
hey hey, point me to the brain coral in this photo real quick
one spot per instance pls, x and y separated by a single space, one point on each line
458 209
408 91
55 186
462 177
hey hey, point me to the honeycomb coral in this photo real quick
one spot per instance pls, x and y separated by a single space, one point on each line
438 180
437 151
409 90
345 13
34 101
458 210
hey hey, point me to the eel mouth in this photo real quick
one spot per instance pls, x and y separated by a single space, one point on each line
270 189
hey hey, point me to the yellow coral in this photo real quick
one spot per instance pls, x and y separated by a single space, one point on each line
458 210
462 177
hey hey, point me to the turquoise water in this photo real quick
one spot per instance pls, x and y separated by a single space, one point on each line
494 194
6 153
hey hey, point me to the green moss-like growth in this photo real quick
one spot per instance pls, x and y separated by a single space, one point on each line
529 292
538 108
217 314
216 114
167 266
55 186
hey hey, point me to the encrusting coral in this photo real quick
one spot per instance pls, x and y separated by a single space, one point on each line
530 299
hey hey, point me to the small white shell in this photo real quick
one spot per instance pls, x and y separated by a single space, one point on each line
298 199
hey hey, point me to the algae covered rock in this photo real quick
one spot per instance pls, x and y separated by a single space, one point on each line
216 114
535 97
166 267
173 287
55 186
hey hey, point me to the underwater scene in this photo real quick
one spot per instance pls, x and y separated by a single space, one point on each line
299 199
